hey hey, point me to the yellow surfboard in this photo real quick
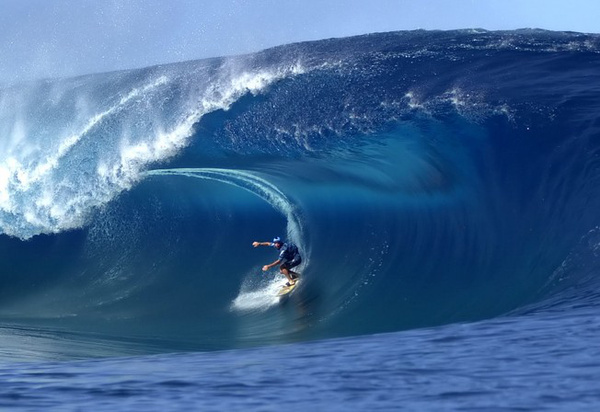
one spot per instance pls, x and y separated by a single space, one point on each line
287 289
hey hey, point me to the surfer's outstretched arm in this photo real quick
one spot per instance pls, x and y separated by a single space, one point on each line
257 244
267 267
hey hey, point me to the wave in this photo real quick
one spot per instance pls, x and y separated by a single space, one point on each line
428 178
90 138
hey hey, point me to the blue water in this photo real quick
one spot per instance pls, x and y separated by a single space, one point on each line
532 363
443 188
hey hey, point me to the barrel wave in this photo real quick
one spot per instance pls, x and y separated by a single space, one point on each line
427 177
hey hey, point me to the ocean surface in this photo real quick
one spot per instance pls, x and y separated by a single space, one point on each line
442 186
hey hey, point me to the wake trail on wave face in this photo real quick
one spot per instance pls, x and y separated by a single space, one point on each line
254 184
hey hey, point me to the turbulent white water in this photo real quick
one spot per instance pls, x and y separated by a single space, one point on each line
71 146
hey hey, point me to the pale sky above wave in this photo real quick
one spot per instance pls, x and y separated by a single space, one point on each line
58 38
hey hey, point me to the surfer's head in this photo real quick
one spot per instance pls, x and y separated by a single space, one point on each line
277 242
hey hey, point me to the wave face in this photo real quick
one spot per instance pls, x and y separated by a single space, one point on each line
428 178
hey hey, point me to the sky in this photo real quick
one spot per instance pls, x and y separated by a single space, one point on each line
62 38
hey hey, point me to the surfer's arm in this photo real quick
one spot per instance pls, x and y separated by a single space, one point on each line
267 267
257 244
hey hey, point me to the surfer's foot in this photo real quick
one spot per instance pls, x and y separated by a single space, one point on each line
291 283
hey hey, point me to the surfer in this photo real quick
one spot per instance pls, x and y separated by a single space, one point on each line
289 257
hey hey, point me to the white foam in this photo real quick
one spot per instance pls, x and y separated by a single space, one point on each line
67 144
42 188
258 299
413 103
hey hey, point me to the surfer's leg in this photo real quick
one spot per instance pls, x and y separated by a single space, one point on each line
297 260
287 274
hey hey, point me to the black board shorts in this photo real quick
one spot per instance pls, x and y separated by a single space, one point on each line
292 263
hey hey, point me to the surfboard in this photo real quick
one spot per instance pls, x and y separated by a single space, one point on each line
287 289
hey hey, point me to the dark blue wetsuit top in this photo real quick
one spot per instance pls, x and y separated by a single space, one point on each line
289 255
